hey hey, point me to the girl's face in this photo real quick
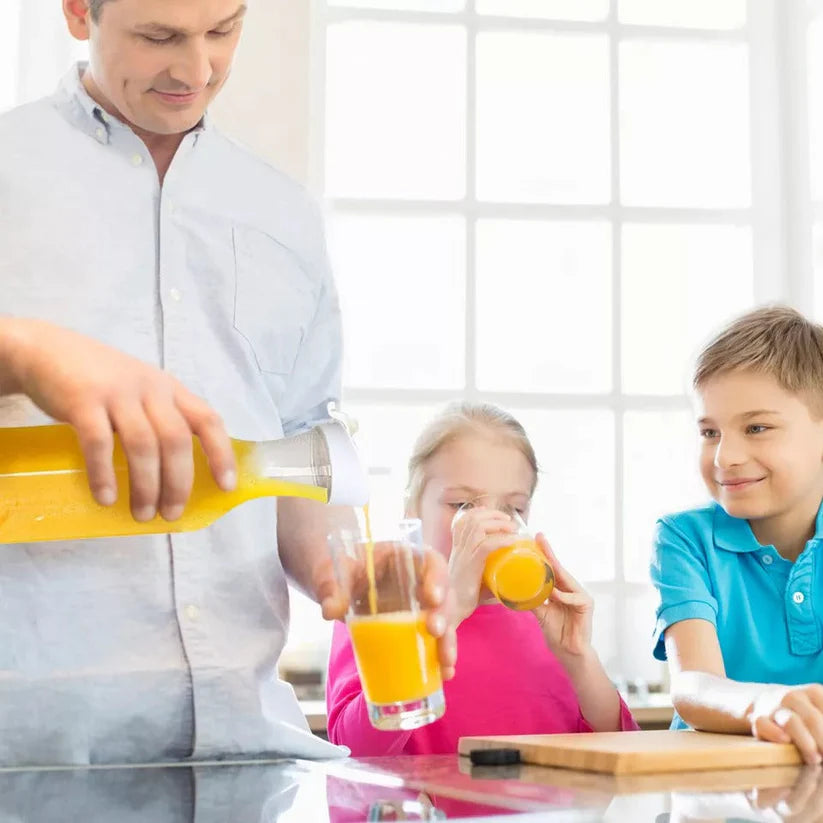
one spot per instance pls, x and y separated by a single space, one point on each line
472 465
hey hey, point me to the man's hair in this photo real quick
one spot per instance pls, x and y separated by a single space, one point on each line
96 7
777 341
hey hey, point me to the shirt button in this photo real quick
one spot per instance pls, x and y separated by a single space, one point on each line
192 612
767 560
798 597
137 160
175 295
100 132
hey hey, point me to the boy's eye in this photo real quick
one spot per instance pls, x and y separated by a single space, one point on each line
756 429
708 433
459 504
158 41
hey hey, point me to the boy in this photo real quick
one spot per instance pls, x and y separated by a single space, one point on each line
741 580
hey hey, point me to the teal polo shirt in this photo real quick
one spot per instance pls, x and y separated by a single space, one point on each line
767 610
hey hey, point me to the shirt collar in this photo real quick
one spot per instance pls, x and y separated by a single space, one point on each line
86 113
734 534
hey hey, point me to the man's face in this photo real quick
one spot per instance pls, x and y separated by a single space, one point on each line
158 64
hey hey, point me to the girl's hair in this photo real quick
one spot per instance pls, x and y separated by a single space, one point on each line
457 419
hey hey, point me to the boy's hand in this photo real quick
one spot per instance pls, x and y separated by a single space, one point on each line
566 617
784 714
475 534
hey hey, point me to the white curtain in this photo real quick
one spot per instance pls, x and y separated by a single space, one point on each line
36 49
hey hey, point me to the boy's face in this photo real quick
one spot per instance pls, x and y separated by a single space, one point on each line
761 446
158 63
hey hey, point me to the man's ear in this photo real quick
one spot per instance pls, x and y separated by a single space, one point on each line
78 18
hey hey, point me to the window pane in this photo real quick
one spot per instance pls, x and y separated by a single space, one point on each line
384 438
818 269
815 82
708 14
402 293
604 633
550 9
403 5
638 616
543 117
395 110
9 56
660 476
575 451
684 124
543 306
679 285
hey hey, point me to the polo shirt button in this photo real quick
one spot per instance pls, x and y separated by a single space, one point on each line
767 560
136 160
798 597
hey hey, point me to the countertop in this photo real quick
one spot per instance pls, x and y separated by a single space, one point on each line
441 787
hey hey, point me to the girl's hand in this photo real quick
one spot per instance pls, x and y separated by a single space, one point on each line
475 534
566 617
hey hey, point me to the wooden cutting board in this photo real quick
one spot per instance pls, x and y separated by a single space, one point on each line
641 752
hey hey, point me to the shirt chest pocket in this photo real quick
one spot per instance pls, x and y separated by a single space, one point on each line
274 299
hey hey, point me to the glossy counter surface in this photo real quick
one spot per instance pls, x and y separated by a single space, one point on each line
401 788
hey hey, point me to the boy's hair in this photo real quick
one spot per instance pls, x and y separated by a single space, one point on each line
457 419
775 340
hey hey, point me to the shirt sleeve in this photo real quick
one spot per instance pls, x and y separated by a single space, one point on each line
316 377
348 719
679 571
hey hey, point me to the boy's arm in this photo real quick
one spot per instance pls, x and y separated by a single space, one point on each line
707 700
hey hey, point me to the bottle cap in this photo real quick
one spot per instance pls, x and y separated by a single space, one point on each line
349 486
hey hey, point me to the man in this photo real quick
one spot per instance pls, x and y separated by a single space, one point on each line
160 244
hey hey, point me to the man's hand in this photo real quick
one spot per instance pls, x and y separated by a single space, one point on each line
99 391
334 592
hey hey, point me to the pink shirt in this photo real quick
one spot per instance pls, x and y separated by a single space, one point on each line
507 682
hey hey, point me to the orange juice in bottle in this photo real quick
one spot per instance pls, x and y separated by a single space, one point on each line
44 491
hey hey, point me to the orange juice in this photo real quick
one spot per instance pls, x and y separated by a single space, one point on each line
44 492
370 562
519 576
396 657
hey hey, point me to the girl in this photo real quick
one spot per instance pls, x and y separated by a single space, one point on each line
517 672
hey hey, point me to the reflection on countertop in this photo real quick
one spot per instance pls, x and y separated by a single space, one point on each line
441 787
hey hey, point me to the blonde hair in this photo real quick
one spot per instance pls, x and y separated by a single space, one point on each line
458 419
775 340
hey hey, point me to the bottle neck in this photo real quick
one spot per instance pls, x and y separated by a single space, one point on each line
294 460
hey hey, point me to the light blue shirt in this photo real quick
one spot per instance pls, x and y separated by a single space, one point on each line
767 610
149 648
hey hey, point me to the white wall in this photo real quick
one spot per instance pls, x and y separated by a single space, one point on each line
266 101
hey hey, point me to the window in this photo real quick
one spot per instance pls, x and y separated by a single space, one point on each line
550 204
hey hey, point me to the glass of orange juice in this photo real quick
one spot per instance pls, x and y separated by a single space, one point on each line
519 575
396 654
